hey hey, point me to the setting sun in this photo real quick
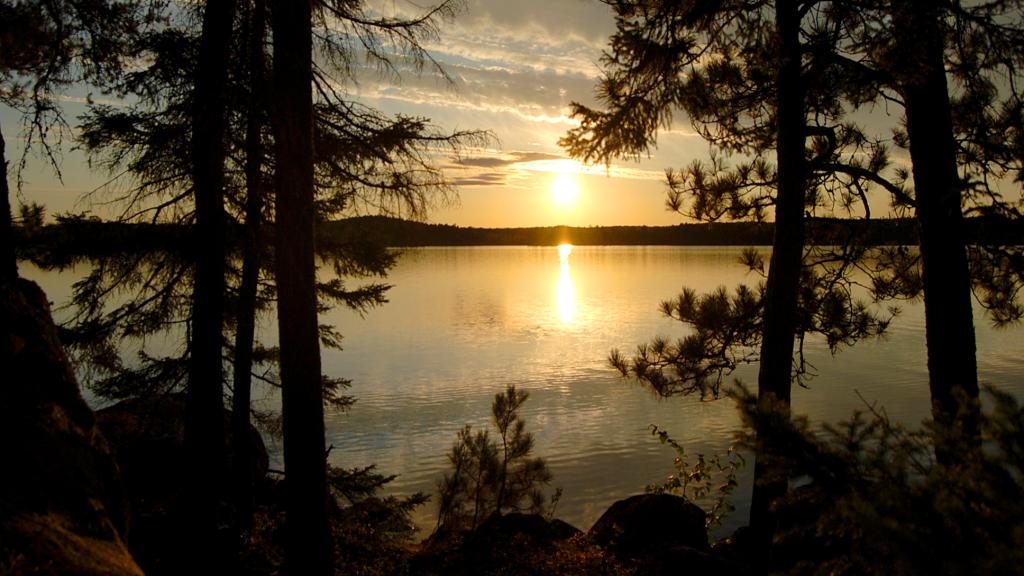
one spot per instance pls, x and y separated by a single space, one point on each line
564 190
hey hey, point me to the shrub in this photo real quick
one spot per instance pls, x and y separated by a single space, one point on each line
710 479
492 475
872 499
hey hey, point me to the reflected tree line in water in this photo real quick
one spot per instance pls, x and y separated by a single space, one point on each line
238 142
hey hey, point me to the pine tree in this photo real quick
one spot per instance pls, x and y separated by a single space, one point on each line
362 160
492 476
45 47
245 330
204 405
711 62
753 77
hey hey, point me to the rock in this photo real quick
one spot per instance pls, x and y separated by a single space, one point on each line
63 509
148 439
532 529
676 560
513 544
736 551
631 528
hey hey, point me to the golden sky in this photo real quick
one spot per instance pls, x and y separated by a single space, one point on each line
514 69
515 66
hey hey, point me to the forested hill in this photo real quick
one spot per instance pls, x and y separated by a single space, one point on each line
396 232
71 238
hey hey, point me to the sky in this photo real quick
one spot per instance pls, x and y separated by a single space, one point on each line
515 67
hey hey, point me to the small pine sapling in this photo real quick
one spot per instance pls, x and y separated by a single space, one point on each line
492 475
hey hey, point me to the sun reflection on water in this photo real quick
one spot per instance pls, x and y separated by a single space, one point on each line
565 291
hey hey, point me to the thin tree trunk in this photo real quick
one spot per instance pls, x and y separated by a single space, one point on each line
9 266
204 430
308 549
246 324
780 304
949 324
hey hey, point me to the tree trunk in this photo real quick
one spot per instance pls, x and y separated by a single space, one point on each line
204 431
246 323
308 548
949 325
9 264
780 304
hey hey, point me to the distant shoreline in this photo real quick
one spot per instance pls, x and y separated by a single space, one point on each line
88 237
881 232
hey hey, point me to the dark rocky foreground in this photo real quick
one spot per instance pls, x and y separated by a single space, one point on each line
643 535
148 438
63 508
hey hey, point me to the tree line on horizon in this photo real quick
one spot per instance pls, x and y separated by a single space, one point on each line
73 237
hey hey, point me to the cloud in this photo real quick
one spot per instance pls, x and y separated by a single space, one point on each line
508 159
531 95
498 168
514 69
485 179
576 20
494 167
529 59
540 21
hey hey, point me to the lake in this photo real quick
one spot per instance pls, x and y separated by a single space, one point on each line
463 323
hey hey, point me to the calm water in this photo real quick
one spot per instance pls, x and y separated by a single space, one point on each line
462 323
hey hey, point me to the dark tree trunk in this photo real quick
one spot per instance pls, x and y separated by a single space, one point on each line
949 324
246 324
307 538
780 304
9 264
204 431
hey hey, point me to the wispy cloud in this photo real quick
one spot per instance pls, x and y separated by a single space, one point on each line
527 59
504 159
503 168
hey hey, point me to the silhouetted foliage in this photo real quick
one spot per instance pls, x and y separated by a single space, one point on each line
717 64
364 160
872 499
51 46
46 47
710 479
955 68
726 330
754 78
492 475
984 61
373 534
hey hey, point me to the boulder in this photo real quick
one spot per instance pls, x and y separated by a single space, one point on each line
532 529
736 551
633 527
148 439
513 544
63 509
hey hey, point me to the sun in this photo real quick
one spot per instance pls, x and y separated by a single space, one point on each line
564 190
